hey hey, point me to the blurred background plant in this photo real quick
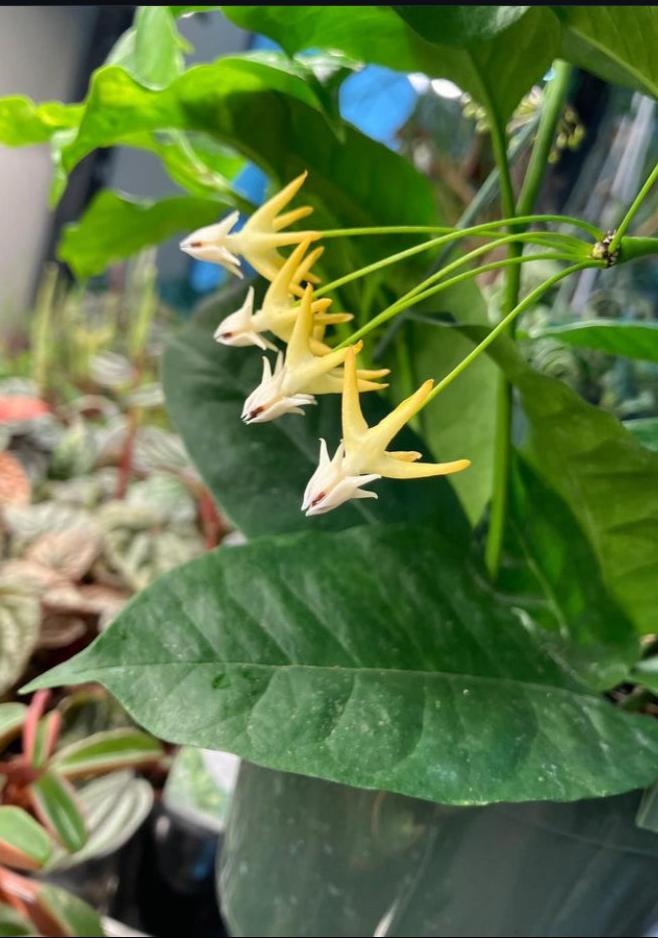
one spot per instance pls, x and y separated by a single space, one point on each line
49 821
97 498
98 495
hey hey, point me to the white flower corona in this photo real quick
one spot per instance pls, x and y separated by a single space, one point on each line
257 241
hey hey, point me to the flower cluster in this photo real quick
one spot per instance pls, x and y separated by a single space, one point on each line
291 313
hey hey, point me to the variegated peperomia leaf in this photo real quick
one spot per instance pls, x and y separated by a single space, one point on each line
102 752
166 494
24 844
27 522
13 925
58 912
160 449
76 451
69 552
111 370
45 738
114 806
20 616
140 546
56 806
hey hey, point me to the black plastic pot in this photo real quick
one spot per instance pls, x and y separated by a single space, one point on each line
161 882
309 858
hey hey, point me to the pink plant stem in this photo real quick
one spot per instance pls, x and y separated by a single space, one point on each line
34 713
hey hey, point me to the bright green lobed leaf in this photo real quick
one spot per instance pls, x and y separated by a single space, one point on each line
22 122
152 49
114 227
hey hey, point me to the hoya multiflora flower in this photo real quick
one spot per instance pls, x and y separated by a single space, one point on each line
280 307
258 241
302 374
362 455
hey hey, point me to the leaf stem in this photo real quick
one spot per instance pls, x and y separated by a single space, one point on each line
622 227
421 291
553 101
485 230
500 327
406 302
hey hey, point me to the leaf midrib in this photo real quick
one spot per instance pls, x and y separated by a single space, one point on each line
446 675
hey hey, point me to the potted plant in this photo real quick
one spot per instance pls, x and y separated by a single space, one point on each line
435 678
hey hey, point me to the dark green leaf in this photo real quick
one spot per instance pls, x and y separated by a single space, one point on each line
552 572
69 914
373 863
258 473
115 227
460 422
492 71
376 657
459 25
615 42
102 752
22 122
608 479
55 804
24 844
152 50
630 339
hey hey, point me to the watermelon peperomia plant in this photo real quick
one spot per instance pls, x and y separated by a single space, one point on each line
45 823
457 643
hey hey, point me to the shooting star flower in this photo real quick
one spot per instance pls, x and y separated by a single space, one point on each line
362 455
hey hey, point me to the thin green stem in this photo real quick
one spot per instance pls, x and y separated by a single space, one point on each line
385 230
431 229
485 194
622 227
500 327
406 302
540 238
485 230
553 101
